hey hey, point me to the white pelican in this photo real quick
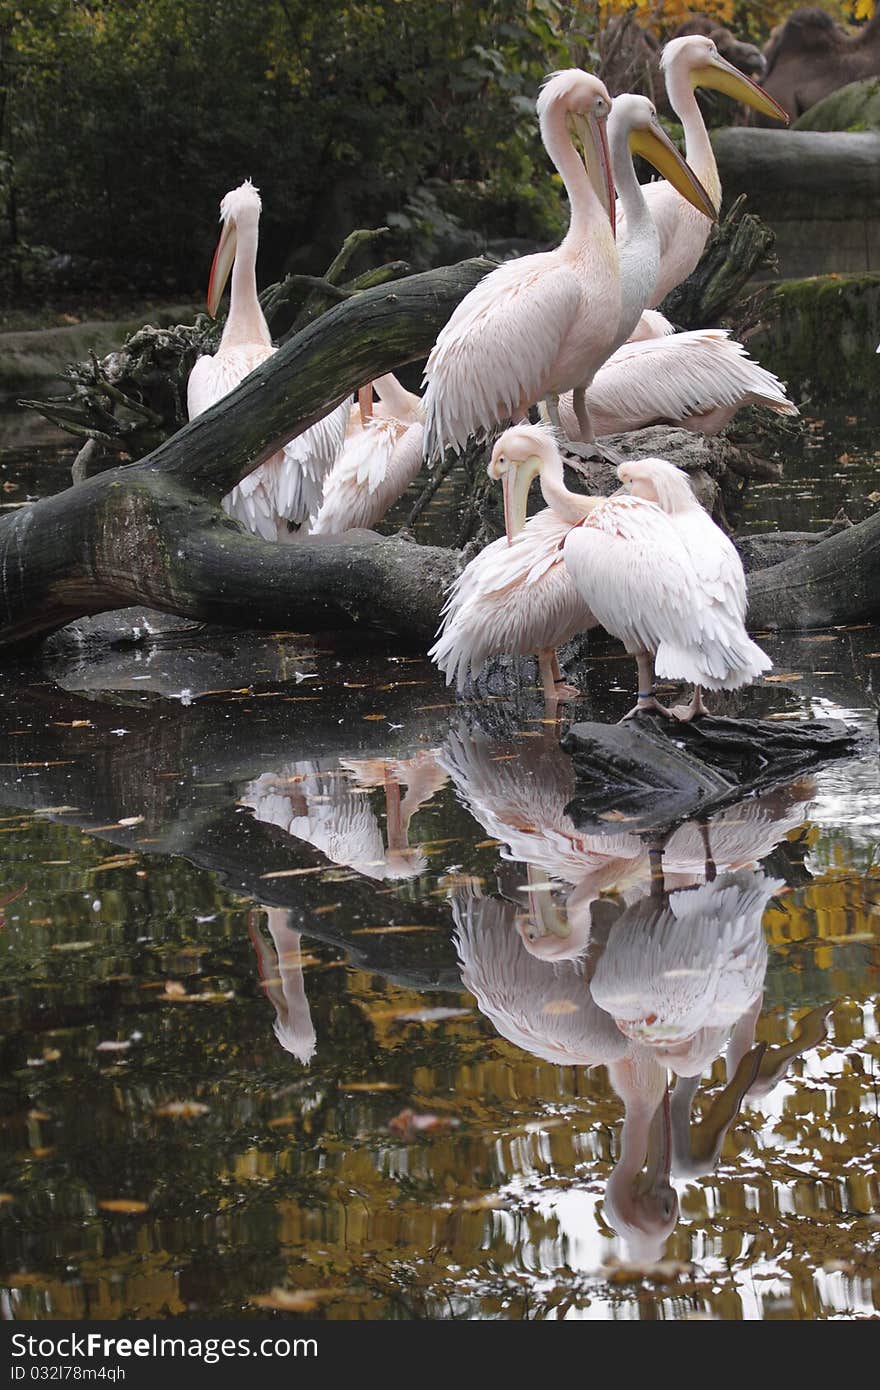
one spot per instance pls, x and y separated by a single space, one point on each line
546 1009
539 325
516 597
633 571
680 969
281 976
689 62
696 380
717 564
377 464
642 1207
322 802
633 128
518 789
287 487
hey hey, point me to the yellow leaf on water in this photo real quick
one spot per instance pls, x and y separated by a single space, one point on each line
175 990
783 678
6 1199
181 1110
124 1206
371 1086
294 1300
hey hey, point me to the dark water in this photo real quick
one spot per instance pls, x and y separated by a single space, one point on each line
310 983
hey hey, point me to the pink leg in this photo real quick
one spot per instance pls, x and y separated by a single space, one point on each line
646 701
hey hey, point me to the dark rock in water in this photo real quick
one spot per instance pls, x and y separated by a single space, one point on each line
122 627
649 774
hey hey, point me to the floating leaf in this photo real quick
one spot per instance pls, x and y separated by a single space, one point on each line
124 1206
114 1045
660 1272
181 1110
783 678
371 1086
409 1124
430 1015
294 1300
6 1199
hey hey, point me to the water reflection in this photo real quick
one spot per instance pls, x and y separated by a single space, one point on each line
626 970
267 921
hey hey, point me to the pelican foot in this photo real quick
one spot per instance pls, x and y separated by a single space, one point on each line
648 706
695 710
566 692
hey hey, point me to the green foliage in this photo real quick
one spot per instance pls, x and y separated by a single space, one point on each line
127 120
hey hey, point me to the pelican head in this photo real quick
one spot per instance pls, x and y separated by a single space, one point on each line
585 104
657 480
519 455
241 207
699 57
634 120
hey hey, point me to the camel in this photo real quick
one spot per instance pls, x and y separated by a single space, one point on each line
811 55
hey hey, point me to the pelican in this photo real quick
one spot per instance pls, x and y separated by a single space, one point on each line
689 62
696 380
716 562
633 128
680 969
377 464
634 573
539 325
281 976
516 597
287 487
642 1208
546 1009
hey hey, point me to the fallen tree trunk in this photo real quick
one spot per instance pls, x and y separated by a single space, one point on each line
153 532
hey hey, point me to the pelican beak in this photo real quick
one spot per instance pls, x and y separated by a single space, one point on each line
221 265
655 146
365 403
552 920
722 76
593 137
515 487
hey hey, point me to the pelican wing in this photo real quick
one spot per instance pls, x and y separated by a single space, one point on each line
633 572
374 470
676 377
495 356
307 461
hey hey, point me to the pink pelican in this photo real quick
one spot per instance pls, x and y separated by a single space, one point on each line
719 573
516 597
539 325
377 464
689 62
642 1207
696 380
546 1009
634 573
281 975
518 789
287 487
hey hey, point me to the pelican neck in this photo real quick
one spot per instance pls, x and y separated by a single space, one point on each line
246 323
587 210
570 506
698 147
639 252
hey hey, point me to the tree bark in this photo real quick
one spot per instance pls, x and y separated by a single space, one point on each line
153 532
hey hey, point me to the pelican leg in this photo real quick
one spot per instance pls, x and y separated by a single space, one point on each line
695 710
563 690
365 403
588 434
552 404
646 702
709 861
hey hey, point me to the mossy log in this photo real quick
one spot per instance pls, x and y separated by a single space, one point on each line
153 532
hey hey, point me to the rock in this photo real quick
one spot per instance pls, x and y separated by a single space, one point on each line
855 107
822 335
819 191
